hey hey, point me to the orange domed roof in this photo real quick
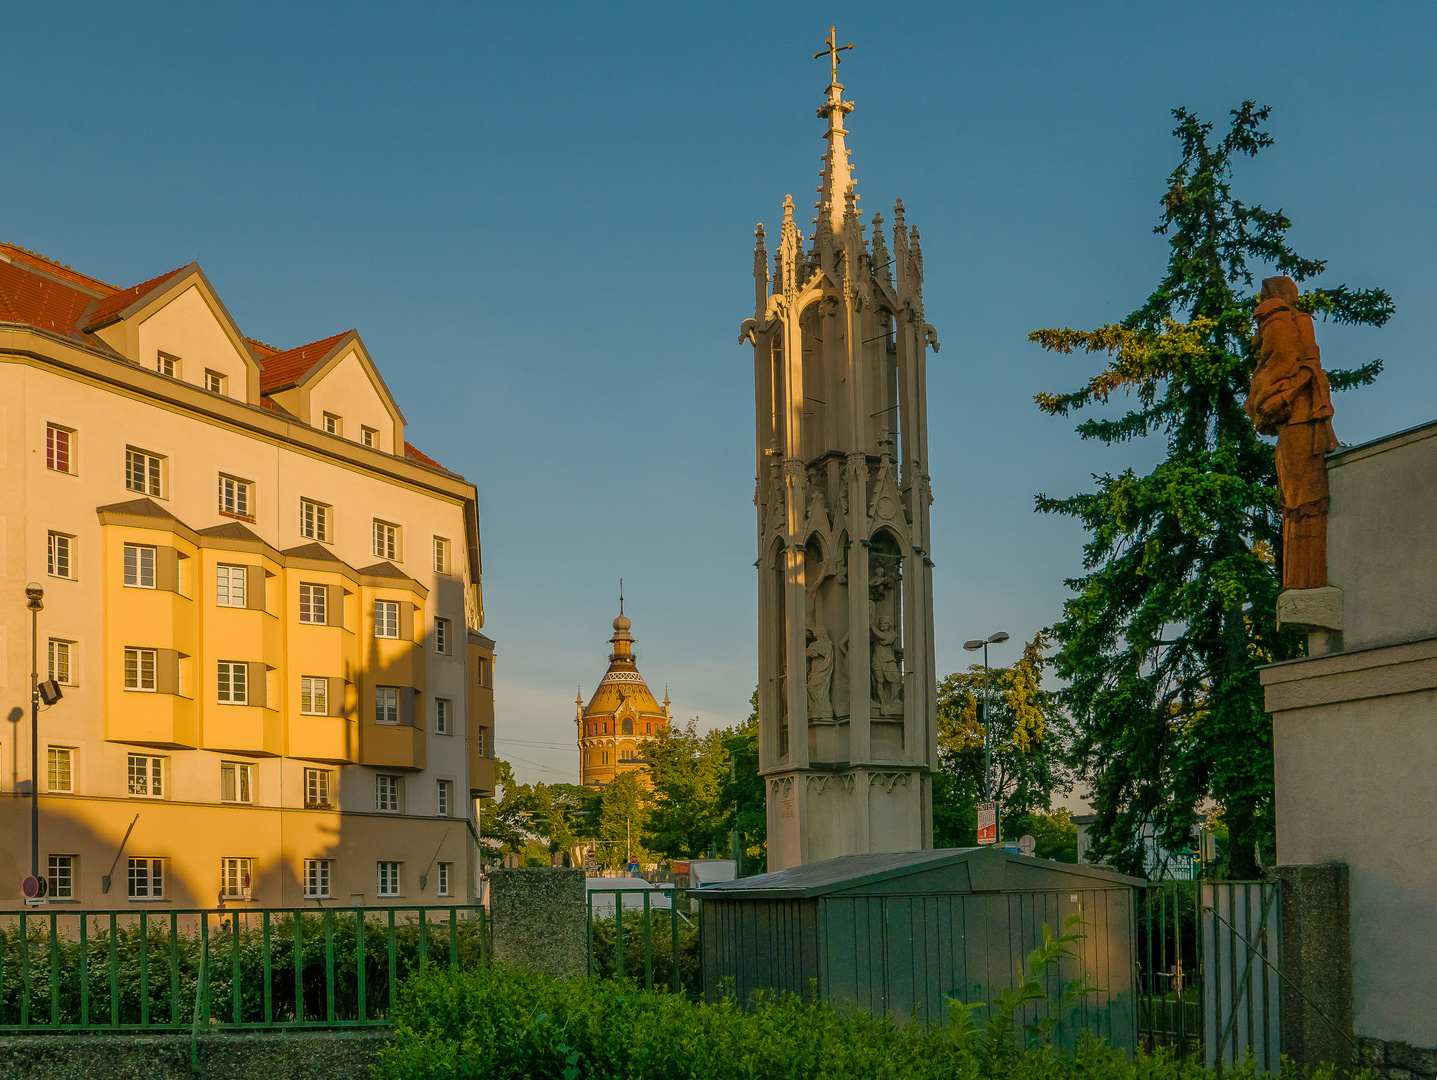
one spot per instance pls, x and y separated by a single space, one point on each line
622 682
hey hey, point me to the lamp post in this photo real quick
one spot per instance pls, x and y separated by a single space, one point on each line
35 601
971 646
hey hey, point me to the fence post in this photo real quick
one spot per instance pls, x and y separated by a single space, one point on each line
268 969
675 979
361 1006
648 946
297 922
84 973
24 971
235 966
175 968
328 918
618 935
114 970
144 966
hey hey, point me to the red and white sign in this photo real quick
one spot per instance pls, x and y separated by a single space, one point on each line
33 888
987 823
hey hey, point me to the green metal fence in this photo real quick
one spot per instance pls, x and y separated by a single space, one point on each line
651 936
149 970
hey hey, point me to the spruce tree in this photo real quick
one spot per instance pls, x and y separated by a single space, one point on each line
1175 612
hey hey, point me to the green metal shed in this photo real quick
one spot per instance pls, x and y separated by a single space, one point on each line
903 932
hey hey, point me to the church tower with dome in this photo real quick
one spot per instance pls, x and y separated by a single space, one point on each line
620 717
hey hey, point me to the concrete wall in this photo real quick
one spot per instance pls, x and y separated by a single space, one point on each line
1355 732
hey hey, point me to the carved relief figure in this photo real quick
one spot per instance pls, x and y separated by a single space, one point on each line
1289 397
820 675
840 682
887 679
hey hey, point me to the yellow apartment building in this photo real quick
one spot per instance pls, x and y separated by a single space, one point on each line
262 604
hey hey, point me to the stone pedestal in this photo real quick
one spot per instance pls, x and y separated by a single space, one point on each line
538 919
1316 964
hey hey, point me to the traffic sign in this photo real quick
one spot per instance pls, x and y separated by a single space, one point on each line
987 823
34 888
1027 844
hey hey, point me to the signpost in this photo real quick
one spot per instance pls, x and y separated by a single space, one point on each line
987 823
34 889
1027 845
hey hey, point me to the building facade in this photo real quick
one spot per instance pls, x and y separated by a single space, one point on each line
847 691
620 717
262 604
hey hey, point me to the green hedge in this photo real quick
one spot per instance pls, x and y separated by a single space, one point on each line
506 1025
605 965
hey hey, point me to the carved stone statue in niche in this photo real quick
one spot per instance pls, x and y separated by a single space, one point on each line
887 678
820 675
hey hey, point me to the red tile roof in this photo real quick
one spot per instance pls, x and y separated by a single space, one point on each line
114 304
287 368
30 298
50 266
420 456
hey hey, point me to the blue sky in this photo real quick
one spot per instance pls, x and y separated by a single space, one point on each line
540 219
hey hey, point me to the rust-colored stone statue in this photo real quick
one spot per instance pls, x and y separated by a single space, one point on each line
1289 397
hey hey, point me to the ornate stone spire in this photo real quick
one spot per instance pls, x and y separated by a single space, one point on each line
837 172
760 272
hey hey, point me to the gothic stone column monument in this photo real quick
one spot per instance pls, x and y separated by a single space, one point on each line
847 691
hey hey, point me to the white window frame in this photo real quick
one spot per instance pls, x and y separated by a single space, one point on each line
334 424
313 695
61 654
441 555
58 758
60 555
387 793
387 878
231 585
479 740
386 618
387 705
146 879
61 876
145 776
385 535
318 787
55 434
232 682
317 875
144 472
141 659
444 636
369 437
215 381
314 520
443 716
443 798
313 600
167 365
242 785
236 497
444 874
236 877
140 567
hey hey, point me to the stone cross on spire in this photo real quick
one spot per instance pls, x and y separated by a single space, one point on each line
837 174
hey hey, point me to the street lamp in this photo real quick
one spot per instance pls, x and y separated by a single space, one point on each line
972 646
35 601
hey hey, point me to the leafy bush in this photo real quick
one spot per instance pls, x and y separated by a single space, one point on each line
164 970
661 939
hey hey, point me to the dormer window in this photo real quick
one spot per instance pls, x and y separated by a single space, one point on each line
332 424
169 365
369 436
214 382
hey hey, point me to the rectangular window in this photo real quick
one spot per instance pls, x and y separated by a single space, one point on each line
386 540
333 424
313 695
230 585
386 794
443 708
443 796
235 879
60 654
388 884
59 551
444 876
481 671
316 877
139 566
479 740
386 705
236 782
233 682
312 603
142 472
369 436
235 497
169 365
314 520
62 768
140 667
214 382
441 555
442 635
316 787
62 877
147 776
386 618
59 449
147 879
